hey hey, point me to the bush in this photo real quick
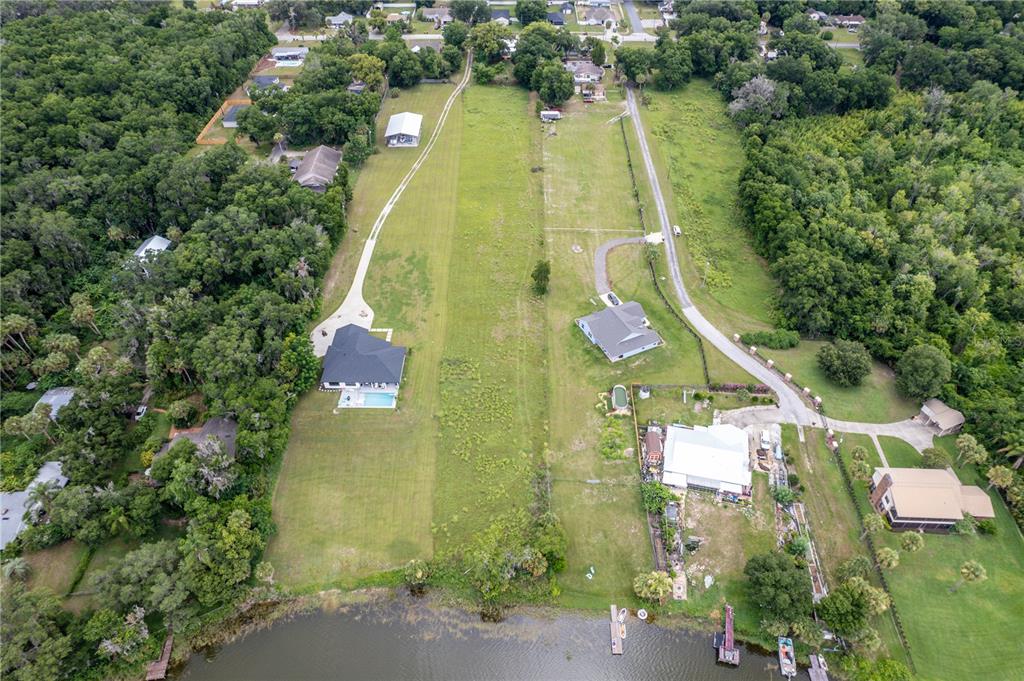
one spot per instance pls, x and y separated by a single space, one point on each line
987 526
483 74
827 35
777 339
181 413
933 457
656 496
613 439
845 362
17 403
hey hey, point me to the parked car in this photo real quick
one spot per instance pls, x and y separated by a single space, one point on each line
141 411
613 299
676 230
766 440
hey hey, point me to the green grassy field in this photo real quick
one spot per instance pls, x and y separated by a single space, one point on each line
851 57
493 403
973 632
900 454
355 491
54 568
843 35
699 155
876 400
586 190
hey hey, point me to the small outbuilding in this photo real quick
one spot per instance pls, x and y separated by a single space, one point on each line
230 118
356 87
318 168
551 116
151 246
942 417
404 130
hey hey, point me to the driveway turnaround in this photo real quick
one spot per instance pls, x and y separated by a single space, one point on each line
601 261
354 309
791 407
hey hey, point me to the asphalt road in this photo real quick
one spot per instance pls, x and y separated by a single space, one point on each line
791 406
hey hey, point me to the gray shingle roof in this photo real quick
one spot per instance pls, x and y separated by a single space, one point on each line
318 167
620 329
357 357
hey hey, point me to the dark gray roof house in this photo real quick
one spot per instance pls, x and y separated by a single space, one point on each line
556 19
500 14
620 331
357 358
261 83
318 168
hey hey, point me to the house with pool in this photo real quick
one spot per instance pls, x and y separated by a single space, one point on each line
364 369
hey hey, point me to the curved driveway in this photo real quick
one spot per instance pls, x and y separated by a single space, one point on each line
791 407
354 309
601 261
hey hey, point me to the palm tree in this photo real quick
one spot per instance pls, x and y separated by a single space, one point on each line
872 525
970 571
970 450
653 586
861 470
1000 476
42 494
888 558
1013 447
17 568
858 453
912 542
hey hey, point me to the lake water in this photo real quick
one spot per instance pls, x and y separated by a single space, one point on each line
410 639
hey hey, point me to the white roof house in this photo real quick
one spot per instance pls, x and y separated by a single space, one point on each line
151 246
57 398
16 504
710 457
404 130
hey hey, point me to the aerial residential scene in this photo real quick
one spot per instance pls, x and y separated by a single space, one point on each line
512 339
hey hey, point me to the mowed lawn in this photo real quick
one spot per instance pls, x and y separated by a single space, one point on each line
492 415
355 491
974 631
588 200
876 400
699 155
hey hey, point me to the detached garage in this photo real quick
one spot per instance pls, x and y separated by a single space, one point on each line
404 130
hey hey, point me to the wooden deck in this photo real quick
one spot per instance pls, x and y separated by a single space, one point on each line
616 631
158 670
817 671
727 651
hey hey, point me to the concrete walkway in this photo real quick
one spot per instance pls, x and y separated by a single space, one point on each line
601 261
791 407
354 309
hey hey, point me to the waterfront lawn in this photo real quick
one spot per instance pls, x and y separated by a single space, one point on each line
973 632
588 200
876 400
491 419
55 568
899 453
355 491
732 534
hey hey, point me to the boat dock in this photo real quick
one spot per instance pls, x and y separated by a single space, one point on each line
819 669
158 670
616 631
727 651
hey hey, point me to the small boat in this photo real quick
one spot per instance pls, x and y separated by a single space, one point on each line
787 657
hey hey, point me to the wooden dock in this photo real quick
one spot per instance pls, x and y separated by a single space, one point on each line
727 651
616 631
818 670
158 670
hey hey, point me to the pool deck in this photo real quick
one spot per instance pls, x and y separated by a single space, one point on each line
356 398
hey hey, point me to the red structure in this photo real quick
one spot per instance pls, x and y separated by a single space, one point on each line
727 651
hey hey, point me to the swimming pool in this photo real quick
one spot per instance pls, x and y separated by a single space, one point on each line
380 400
619 399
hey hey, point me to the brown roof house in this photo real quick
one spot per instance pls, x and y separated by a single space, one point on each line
926 498
318 168
944 418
